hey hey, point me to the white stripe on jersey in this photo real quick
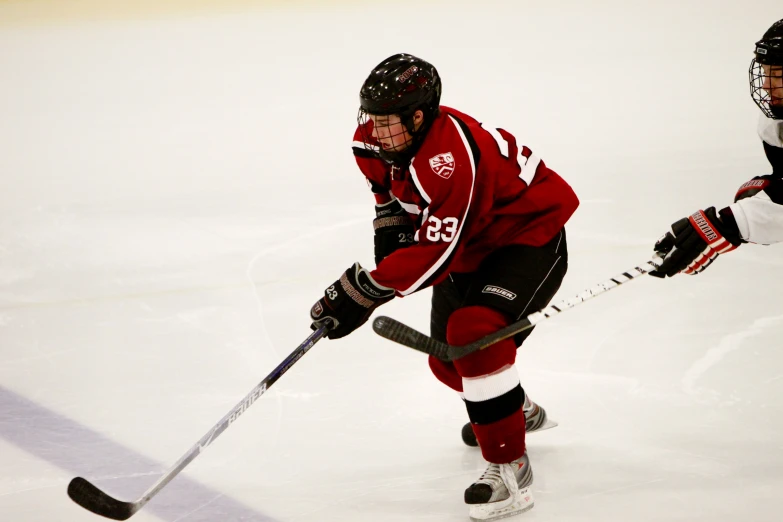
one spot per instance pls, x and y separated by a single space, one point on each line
488 387
445 256
529 167
424 216
418 183
759 219
499 139
363 145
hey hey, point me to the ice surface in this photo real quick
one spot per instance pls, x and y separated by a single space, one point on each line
175 192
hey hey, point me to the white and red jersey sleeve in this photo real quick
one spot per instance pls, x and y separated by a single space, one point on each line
445 184
758 207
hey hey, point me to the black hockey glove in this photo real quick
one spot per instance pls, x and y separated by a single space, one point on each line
695 242
349 302
393 229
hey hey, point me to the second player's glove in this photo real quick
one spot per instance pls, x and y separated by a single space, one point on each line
694 242
349 302
393 229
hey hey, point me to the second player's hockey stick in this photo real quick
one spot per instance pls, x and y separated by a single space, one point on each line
402 334
93 499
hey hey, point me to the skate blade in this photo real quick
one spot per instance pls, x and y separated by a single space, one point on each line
523 501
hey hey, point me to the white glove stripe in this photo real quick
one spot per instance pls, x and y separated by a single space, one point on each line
701 262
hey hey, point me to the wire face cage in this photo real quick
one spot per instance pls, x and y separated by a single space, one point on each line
386 135
766 88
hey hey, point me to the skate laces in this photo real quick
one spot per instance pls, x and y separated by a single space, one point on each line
509 477
503 481
491 476
497 476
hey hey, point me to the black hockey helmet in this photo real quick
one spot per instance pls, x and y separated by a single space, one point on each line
769 52
401 84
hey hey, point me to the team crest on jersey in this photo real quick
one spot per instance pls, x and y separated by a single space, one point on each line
443 165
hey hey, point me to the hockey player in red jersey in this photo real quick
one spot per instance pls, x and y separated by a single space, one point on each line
467 208
756 216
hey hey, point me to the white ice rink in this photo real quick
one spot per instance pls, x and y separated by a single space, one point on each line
176 191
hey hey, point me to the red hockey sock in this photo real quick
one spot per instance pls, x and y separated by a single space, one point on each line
493 394
504 440
474 322
446 373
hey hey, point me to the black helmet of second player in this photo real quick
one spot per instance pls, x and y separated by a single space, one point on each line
401 84
766 72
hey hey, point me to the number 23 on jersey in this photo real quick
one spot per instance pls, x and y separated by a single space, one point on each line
442 229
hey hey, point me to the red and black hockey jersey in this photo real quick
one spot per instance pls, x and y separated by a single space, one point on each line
470 189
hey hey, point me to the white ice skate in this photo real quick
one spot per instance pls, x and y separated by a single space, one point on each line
504 490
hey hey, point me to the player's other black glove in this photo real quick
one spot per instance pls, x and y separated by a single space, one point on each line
393 229
349 302
694 242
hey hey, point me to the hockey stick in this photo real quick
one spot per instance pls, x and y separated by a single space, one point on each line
402 334
93 499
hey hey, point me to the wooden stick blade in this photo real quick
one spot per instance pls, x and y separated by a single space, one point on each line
93 499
